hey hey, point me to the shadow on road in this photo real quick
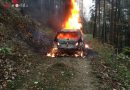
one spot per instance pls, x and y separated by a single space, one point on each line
91 53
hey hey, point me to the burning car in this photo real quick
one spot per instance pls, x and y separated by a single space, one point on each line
70 39
69 42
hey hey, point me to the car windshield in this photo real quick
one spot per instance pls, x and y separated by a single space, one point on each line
68 35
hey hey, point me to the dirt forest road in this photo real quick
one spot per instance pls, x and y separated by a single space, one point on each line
61 73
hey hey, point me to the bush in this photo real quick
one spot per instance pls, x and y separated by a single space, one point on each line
112 70
126 51
121 65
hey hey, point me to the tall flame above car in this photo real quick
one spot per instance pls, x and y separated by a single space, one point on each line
73 21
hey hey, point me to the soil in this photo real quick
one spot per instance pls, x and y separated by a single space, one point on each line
61 73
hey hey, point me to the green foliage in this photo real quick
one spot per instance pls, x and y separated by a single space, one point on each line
117 67
5 50
121 64
123 70
9 1
126 51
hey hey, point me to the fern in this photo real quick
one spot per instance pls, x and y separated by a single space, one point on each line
5 50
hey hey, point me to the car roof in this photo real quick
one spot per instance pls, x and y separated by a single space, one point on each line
70 30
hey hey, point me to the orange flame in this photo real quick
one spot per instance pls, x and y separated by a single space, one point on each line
68 36
74 17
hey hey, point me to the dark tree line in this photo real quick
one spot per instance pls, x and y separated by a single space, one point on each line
112 22
46 11
50 12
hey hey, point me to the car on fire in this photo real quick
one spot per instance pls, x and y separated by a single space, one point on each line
69 41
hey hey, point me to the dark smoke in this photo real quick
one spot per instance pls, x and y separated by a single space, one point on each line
50 12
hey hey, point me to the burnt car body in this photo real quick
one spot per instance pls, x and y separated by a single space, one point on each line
69 41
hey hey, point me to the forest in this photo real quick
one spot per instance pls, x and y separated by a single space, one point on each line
27 31
111 21
110 24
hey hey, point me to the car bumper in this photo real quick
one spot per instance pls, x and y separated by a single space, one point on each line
67 47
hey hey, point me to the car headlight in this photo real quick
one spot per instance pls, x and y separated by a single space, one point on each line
58 43
77 44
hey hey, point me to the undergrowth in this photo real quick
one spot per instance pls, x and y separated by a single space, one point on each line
113 70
